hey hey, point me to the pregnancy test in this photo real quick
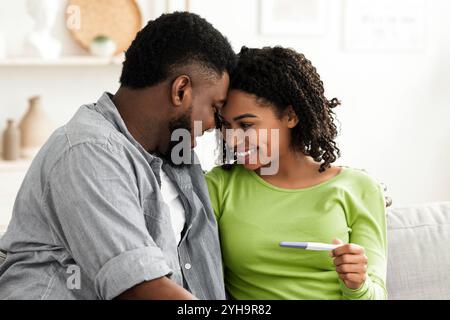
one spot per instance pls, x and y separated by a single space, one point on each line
315 246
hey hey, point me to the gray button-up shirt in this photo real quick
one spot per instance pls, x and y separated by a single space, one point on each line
89 221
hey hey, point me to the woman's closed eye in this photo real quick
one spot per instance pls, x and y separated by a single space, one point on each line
245 125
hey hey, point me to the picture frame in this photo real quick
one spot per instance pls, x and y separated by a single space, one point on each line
293 17
384 25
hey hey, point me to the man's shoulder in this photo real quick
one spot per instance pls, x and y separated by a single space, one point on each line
90 126
87 133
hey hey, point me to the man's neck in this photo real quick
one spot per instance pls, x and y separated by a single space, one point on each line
134 107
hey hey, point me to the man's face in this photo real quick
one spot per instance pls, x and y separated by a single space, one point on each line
209 96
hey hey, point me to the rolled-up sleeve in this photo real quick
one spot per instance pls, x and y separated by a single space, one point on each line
141 265
92 201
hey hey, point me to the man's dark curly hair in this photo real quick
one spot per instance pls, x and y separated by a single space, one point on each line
282 77
171 41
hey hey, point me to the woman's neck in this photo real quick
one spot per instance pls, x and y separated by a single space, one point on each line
296 170
294 164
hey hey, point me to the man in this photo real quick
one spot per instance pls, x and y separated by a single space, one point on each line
103 212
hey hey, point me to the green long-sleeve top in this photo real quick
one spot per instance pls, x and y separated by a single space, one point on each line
254 217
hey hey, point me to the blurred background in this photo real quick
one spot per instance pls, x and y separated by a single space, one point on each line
388 61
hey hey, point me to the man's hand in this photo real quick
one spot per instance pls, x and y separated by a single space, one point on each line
351 264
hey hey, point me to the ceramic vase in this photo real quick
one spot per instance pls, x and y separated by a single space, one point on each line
35 128
11 141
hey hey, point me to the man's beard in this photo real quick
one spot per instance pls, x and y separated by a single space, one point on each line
183 122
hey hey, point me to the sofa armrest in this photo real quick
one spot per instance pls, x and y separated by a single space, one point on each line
418 255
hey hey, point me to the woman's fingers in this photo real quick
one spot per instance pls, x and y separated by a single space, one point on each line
351 263
349 248
351 268
353 280
350 259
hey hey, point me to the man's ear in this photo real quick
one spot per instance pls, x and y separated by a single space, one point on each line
181 91
291 117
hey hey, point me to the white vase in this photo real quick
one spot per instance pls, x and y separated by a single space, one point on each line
35 128
40 42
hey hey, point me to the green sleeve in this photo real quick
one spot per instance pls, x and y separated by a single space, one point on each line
367 219
213 180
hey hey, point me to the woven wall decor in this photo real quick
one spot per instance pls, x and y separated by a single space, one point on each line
119 20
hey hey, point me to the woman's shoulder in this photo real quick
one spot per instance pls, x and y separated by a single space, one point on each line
220 180
359 178
223 172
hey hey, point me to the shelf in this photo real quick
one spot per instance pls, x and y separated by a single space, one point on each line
63 61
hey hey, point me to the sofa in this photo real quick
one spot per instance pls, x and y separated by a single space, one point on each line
418 252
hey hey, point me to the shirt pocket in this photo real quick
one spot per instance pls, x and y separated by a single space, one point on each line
159 226
154 208
157 220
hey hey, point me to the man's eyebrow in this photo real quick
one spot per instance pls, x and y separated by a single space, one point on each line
245 115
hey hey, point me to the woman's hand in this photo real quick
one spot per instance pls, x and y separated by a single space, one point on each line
351 264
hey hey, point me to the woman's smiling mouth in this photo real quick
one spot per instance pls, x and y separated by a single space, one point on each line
246 153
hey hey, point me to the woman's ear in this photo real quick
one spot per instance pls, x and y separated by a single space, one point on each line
291 117
181 92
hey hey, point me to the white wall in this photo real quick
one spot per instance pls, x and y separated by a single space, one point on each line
396 106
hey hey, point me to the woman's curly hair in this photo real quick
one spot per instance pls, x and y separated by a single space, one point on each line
282 77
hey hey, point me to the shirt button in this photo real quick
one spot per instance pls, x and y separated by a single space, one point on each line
187 266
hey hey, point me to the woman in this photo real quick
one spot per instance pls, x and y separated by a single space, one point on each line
306 199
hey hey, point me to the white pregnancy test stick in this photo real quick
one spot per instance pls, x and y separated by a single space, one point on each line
315 246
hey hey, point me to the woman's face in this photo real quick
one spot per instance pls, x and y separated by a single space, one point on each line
255 131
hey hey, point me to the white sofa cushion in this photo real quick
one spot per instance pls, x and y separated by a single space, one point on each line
419 252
